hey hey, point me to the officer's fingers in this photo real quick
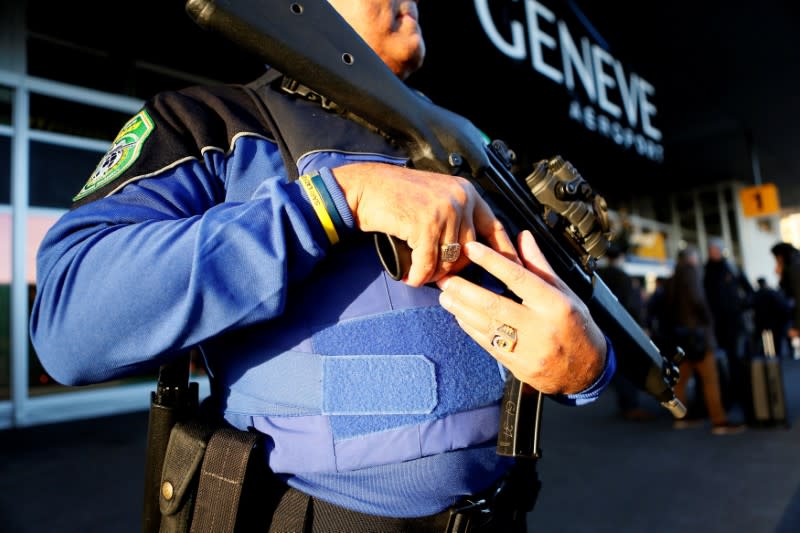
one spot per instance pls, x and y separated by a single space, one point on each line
466 234
479 307
450 258
532 255
519 366
524 283
535 261
459 296
491 229
484 330
424 261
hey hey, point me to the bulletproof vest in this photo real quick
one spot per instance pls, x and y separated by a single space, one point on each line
357 360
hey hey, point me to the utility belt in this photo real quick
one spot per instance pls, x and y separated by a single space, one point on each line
297 511
215 480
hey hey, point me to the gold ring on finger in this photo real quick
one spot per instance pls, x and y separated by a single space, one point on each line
449 253
505 338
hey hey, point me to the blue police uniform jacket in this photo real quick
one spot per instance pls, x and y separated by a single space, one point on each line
190 234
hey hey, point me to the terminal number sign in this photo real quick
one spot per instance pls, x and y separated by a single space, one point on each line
759 200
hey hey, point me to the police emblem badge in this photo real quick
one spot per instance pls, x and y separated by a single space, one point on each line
123 152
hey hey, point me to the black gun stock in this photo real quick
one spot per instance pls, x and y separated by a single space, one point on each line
311 43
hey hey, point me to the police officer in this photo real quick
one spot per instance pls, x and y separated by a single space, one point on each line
378 399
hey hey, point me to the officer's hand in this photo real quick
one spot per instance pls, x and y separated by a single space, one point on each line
559 348
425 209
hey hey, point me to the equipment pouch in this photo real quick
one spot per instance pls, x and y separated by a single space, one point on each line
180 475
203 476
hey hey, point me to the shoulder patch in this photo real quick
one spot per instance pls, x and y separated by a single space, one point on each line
123 152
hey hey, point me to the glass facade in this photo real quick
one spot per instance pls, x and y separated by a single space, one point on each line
57 115
5 170
5 248
5 105
5 303
124 57
57 173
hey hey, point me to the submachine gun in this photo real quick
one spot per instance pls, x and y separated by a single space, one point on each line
308 41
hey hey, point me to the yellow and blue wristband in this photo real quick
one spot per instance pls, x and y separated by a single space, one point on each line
324 206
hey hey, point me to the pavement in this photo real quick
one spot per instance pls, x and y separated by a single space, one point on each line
599 473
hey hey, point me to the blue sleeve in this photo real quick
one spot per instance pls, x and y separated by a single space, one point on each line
172 260
594 390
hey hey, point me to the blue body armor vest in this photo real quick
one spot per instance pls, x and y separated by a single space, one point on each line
369 370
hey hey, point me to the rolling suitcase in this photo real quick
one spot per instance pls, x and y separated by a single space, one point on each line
766 383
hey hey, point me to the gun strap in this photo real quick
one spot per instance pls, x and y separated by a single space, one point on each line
295 89
253 90
221 479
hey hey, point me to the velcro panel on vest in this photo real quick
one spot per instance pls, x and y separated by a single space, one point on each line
373 385
466 376
301 384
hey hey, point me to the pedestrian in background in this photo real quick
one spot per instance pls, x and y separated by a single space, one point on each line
787 267
729 297
771 312
687 319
